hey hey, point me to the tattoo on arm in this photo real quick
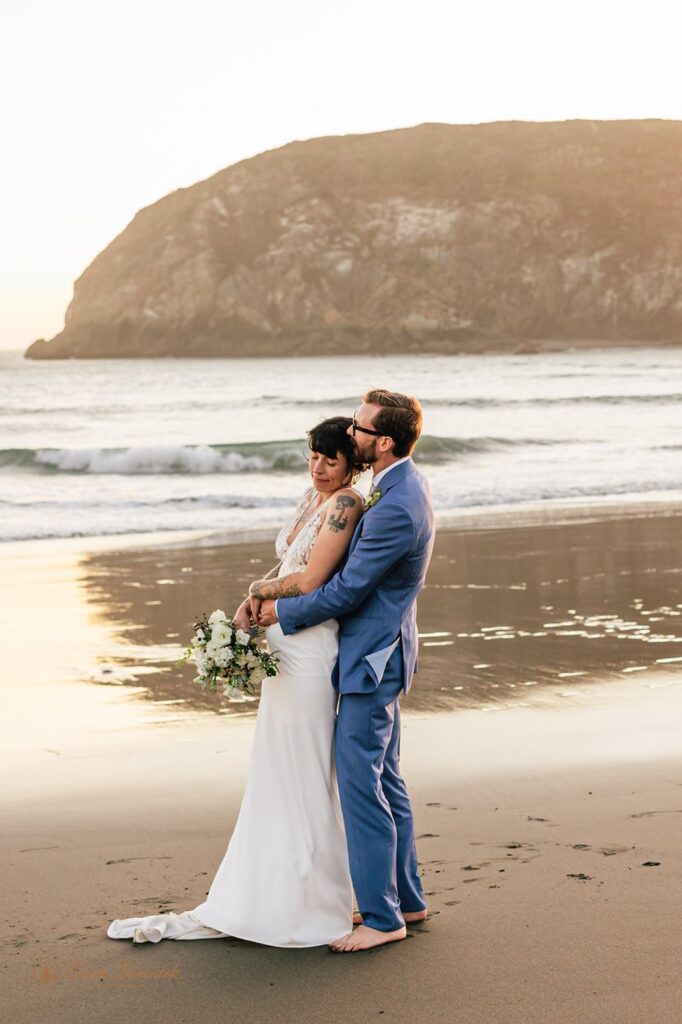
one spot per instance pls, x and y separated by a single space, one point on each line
268 589
338 520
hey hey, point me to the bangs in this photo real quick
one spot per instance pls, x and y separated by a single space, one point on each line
330 438
325 441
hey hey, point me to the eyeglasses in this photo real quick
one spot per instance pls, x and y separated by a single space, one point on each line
364 430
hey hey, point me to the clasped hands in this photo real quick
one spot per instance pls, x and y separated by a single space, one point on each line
254 611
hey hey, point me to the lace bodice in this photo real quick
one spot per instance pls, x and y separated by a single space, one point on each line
294 557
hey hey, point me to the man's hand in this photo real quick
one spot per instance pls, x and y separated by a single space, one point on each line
268 615
243 615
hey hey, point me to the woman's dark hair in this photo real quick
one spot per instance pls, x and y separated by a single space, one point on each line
330 438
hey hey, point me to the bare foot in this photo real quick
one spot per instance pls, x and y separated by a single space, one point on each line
366 938
410 916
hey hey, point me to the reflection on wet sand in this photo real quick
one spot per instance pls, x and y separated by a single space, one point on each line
553 605
504 611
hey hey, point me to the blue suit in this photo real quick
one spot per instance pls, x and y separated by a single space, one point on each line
374 599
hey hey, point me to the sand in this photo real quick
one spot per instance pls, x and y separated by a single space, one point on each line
547 803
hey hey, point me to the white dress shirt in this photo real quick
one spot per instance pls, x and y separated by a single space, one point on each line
387 469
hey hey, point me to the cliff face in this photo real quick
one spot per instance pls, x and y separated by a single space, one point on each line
439 238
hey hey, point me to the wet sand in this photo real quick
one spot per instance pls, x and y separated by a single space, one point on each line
507 613
547 802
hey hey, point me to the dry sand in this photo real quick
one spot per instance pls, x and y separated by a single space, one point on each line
548 814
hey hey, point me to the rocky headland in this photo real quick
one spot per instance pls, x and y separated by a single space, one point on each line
515 236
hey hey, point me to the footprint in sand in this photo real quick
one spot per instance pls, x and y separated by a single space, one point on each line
128 860
159 901
647 814
472 867
608 851
520 846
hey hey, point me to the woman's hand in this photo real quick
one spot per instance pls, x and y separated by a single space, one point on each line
256 603
243 615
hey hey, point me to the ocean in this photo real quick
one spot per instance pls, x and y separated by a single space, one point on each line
97 447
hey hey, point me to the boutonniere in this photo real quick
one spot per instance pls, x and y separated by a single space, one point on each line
372 499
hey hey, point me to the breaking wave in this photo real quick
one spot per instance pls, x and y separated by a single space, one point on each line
264 457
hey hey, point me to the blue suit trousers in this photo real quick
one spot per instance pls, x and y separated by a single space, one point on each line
375 803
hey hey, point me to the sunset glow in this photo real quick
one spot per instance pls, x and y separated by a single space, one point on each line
107 108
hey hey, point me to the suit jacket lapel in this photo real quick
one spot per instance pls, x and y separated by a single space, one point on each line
395 476
390 480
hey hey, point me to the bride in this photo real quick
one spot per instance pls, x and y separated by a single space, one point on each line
285 879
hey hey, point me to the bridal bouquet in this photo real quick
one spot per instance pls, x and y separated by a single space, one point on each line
225 654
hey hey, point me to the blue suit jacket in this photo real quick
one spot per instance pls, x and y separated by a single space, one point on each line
374 595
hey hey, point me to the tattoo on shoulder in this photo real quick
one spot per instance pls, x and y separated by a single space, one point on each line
338 519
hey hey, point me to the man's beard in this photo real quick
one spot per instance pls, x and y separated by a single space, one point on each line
369 455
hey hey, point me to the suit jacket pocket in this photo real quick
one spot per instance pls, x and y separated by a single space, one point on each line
378 660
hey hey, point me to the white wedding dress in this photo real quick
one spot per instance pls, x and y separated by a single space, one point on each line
284 880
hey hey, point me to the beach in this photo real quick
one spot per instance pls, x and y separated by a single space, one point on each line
256 257
540 746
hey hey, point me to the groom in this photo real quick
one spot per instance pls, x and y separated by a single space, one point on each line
374 598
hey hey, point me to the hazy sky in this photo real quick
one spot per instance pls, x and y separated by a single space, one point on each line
106 107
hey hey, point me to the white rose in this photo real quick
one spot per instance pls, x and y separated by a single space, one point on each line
217 616
242 637
258 674
232 692
224 657
222 632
